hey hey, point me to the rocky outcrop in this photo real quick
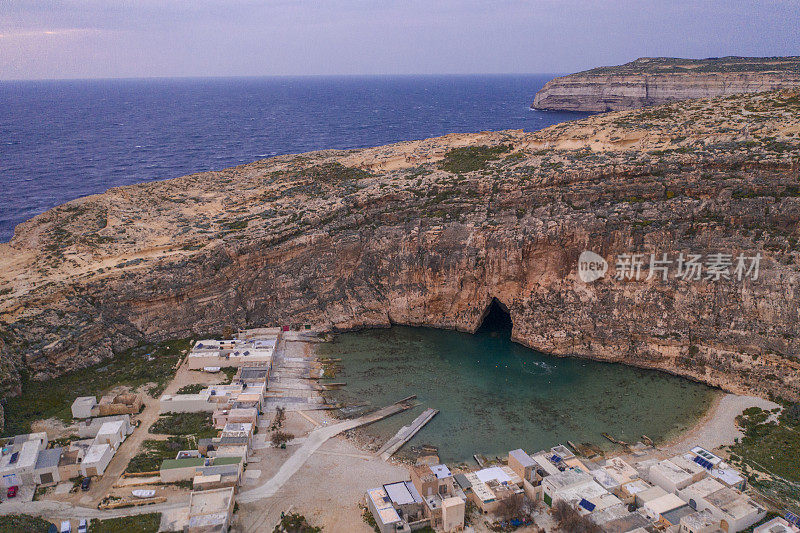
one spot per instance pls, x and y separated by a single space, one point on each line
428 232
654 81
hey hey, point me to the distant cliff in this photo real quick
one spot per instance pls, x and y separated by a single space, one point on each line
659 80
429 232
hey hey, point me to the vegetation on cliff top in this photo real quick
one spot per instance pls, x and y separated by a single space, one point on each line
149 363
769 450
672 65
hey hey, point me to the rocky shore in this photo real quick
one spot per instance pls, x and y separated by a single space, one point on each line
653 81
429 232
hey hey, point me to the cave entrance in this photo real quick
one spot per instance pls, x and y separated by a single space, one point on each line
496 320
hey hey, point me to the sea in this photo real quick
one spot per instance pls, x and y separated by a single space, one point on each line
494 395
61 140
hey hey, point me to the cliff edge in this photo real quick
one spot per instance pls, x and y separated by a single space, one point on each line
657 80
429 232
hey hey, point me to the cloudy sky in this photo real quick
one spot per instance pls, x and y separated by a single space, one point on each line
142 38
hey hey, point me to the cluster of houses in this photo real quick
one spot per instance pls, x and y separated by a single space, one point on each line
215 469
692 493
31 459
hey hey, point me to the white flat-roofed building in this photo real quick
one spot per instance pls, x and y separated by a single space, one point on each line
18 464
649 495
544 463
187 403
206 345
700 522
96 460
659 506
87 429
676 473
776 525
628 491
728 477
112 433
82 406
210 510
736 511
386 517
561 485
696 493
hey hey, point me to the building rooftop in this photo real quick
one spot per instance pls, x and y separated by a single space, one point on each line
95 452
481 490
591 491
699 521
636 486
401 493
209 507
733 503
675 516
170 464
383 504
671 471
728 476
617 519
562 451
219 469
89 401
441 471
545 464
109 428
522 458
663 504
253 373
776 525
568 478
48 458
496 473
701 489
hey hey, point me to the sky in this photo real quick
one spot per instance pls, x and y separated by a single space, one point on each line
44 39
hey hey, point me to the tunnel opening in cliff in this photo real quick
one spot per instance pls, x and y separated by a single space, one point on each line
496 320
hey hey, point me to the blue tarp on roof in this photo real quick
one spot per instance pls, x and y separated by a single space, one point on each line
586 504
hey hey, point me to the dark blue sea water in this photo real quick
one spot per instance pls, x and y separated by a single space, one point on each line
61 140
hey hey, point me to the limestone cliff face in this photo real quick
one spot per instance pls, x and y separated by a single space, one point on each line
428 232
654 81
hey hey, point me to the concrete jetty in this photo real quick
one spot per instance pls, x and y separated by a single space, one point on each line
405 433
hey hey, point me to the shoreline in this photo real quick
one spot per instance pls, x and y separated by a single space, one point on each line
717 428
714 429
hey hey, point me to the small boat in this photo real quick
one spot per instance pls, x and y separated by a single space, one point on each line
141 493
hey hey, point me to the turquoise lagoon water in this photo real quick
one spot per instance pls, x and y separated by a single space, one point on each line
495 395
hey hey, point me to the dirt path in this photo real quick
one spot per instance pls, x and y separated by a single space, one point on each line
133 444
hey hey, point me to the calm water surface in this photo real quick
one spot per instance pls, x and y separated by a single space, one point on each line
495 395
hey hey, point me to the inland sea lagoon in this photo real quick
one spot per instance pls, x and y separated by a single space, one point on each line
495 395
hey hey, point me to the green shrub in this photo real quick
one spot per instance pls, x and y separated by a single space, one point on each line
197 424
14 523
142 523
471 158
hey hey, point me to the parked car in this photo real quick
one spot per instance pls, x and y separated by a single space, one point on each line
66 527
12 491
86 483
83 527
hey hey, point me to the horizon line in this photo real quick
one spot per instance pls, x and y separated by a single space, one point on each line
262 76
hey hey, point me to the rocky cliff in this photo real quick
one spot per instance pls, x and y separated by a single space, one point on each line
428 232
654 81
